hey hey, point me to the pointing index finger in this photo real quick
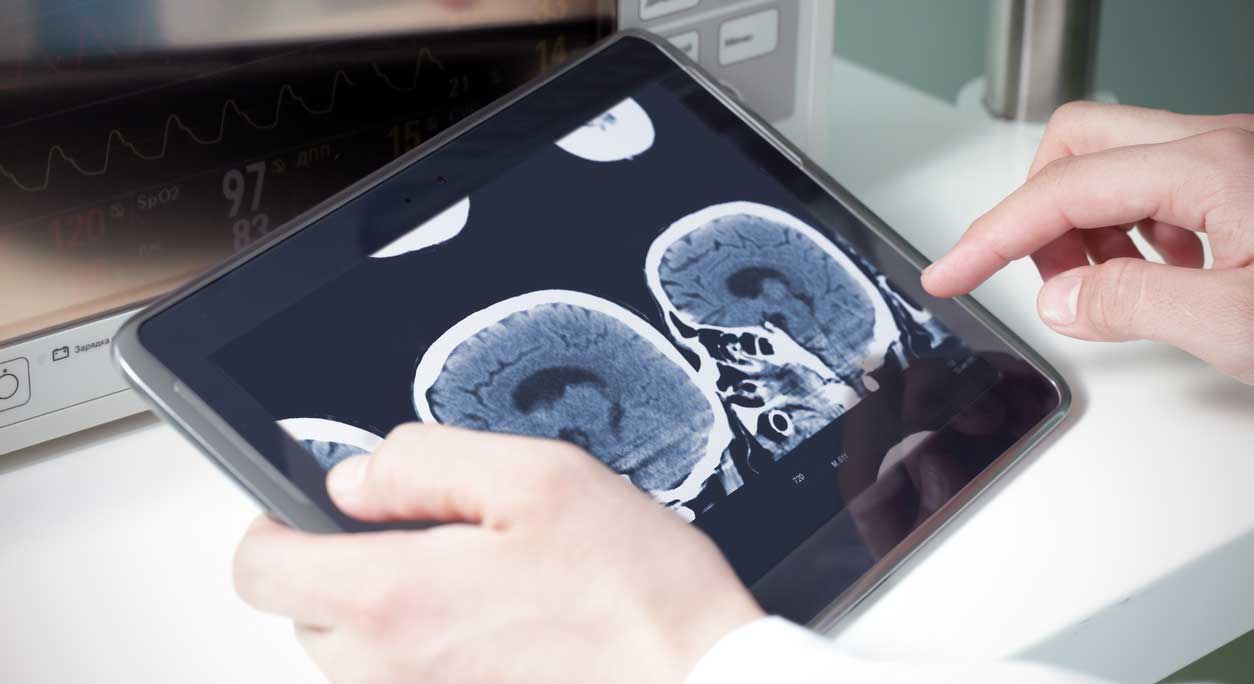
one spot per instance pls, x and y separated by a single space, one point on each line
1108 188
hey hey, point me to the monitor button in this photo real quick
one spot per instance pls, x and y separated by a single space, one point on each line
654 9
748 37
689 43
14 383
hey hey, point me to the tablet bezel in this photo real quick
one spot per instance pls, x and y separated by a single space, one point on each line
192 416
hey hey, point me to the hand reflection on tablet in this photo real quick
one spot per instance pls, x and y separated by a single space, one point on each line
892 488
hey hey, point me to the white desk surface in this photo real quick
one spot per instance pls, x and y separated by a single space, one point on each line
1123 548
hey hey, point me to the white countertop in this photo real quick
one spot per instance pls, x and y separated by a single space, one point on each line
1126 546
1123 548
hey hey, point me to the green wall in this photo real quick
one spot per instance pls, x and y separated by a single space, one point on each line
1232 664
1191 56
933 46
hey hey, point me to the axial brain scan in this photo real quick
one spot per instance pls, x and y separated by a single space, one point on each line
571 366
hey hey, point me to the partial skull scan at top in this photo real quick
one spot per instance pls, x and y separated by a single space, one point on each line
622 133
787 327
330 441
567 365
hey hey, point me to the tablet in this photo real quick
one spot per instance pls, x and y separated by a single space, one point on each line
624 258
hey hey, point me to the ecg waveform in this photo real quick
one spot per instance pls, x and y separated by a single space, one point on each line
174 122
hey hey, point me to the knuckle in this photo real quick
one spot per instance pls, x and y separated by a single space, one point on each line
1113 308
1053 174
383 476
246 571
245 580
255 586
554 472
407 433
387 469
1071 121
1227 155
377 606
1229 146
1239 140
1069 114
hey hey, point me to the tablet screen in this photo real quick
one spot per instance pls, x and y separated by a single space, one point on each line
619 261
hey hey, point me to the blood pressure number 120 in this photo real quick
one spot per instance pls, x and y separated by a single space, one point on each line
243 188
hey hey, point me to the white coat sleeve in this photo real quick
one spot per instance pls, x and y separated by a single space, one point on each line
775 651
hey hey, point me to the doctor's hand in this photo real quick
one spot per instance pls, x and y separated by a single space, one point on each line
551 569
1100 170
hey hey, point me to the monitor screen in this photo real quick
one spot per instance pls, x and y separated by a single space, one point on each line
142 141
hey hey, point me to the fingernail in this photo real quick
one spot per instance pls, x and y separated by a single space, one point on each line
939 263
939 267
348 475
1059 298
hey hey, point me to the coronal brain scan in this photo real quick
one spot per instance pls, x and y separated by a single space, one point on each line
571 366
623 132
330 441
786 325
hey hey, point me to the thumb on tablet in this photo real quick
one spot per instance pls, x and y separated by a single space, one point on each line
437 474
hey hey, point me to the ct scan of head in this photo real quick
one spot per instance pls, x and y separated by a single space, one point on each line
571 366
789 324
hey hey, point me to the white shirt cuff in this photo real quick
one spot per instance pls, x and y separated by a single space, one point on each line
776 651
768 650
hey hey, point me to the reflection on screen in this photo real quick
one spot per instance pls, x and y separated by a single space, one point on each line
144 140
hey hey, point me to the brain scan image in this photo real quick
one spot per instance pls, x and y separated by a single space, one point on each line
572 366
329 441
623 132
444 227
928 333
787 327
